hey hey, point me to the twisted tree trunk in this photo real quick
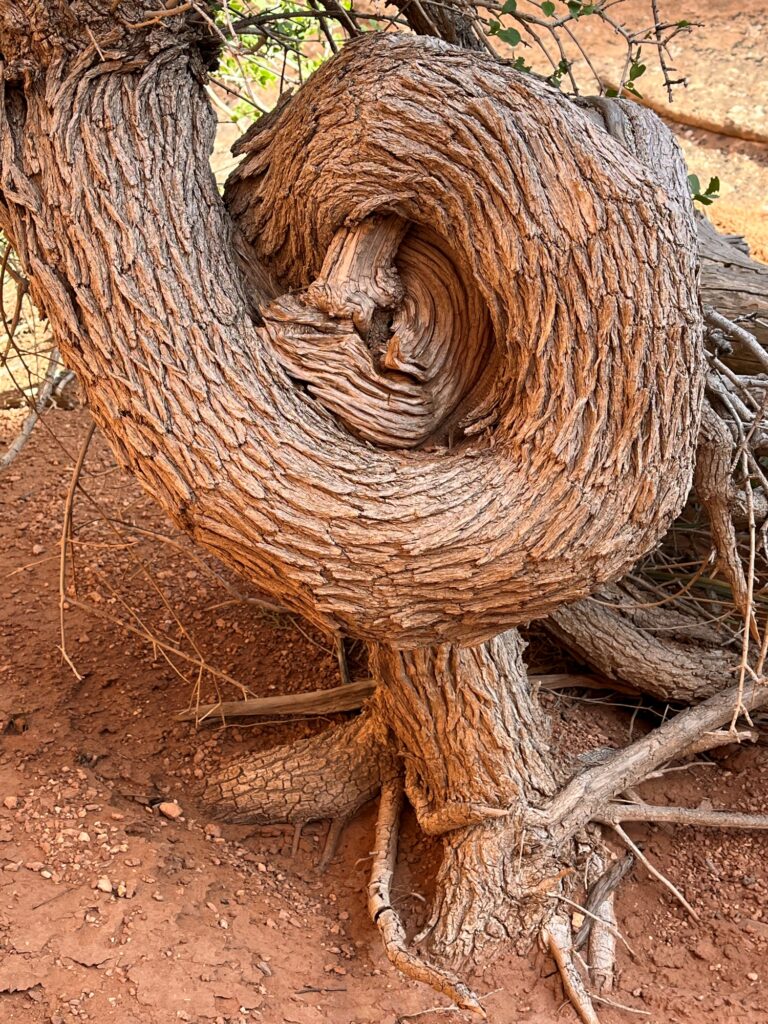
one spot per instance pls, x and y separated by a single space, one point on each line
434 370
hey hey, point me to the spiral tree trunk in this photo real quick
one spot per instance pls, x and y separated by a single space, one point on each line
431 369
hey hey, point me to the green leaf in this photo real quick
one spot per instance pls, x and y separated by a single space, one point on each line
611 93
548 9
636 71
683 24
493 27
713 187
509 35
510 6
694 184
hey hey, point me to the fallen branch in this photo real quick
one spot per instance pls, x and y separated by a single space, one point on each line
314 702
36 409
342 698
616 813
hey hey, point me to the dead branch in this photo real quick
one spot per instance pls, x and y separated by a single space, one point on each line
616 813
37 407
314 702
600 890
557 937
585 797
739 336
653 870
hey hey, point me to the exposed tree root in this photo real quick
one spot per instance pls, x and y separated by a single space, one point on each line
602 946
508 819
587 795
602 888
329 775
386 918
557 938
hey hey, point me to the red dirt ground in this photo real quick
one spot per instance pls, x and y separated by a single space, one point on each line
201 924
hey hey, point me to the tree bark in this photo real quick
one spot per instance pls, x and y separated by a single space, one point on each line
662 654
328 775
520 510
435 369
735 285
475 746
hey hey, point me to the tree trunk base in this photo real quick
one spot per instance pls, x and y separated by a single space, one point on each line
459 731
493 889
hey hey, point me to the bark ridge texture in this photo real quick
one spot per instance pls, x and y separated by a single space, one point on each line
463 249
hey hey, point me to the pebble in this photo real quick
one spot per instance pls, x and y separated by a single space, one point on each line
753 976
11 802
104 885
213 830
170 809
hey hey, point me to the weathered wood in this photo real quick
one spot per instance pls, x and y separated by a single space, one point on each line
475 748
736 286
339 698
564 467
659 652
435 368
328 775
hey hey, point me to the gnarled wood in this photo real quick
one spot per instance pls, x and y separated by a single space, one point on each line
595 385
736 285
442 374
475 748
684 662
328 775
